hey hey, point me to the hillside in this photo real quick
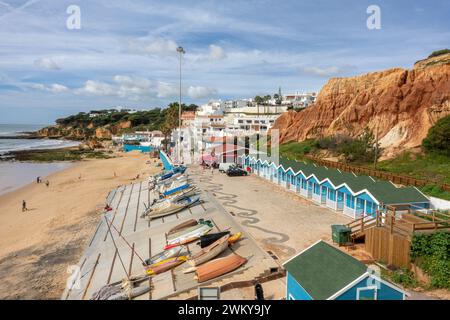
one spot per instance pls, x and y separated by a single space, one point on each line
103 124
401 105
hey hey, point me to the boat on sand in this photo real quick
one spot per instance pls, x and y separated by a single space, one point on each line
182 226
190 233
163 255
165 265
171 207
219 267
209 252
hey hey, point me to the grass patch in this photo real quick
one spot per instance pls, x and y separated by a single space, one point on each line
297 150
431 166
404 277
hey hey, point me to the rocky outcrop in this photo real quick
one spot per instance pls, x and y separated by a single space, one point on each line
91 144
401 105
83 133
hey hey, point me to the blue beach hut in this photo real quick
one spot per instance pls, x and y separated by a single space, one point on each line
323 272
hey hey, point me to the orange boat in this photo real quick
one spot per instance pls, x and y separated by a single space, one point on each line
166 265
218 267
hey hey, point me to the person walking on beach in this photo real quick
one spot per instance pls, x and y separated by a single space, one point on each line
24 206
38 180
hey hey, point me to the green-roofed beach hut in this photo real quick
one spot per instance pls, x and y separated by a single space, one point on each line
323 272
353 195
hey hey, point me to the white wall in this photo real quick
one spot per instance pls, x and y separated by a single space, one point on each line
437 203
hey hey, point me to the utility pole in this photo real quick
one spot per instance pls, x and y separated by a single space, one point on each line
376 147
181 51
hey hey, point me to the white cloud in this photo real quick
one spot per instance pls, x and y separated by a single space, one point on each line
158 47
46 63
58 88
216 53
325 72
166 90
55 88
198 92
93 87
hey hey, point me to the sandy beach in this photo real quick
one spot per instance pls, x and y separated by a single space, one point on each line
38 245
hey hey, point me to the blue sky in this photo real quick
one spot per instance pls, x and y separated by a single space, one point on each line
124 53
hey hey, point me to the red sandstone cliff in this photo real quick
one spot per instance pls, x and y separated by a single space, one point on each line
403 104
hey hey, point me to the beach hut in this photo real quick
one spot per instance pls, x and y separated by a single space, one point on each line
323 272
354 196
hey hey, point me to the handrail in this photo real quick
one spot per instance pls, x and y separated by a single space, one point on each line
400 179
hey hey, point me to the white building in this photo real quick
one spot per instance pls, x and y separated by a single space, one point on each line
213 107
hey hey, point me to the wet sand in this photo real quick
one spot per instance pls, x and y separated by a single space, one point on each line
38 245
14 174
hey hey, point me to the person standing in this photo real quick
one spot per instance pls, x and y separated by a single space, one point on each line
24 206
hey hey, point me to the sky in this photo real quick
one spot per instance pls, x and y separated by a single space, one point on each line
124 53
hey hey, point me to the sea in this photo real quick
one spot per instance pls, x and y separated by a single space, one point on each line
15 174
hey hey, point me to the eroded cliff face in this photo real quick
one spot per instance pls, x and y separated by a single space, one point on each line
401 105
77 133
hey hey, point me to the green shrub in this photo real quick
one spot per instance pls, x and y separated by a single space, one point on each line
405 277
432 253
439 53
438 137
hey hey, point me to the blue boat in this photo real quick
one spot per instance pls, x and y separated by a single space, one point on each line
175 190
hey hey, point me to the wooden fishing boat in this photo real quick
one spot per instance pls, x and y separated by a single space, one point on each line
170 207
173 184
181 243
208 239
219 267
163 255
185 193
165 265
199 230
182 226
209 252
176 190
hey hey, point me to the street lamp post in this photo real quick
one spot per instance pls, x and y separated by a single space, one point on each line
181 51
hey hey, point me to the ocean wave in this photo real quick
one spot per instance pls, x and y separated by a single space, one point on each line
9 145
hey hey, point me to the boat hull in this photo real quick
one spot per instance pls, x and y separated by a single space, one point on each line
219 267
182 226
210 252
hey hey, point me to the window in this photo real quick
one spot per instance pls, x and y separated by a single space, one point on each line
366 293
240 121
212 293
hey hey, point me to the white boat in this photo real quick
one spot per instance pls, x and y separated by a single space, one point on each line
171 207
174 184
196 232
177 196
166 254
209 252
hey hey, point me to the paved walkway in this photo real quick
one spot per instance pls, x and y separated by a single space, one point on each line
102 264
281 222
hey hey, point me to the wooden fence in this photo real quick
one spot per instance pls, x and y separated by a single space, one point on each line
391 249
398 179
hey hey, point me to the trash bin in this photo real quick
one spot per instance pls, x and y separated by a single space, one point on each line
340 234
